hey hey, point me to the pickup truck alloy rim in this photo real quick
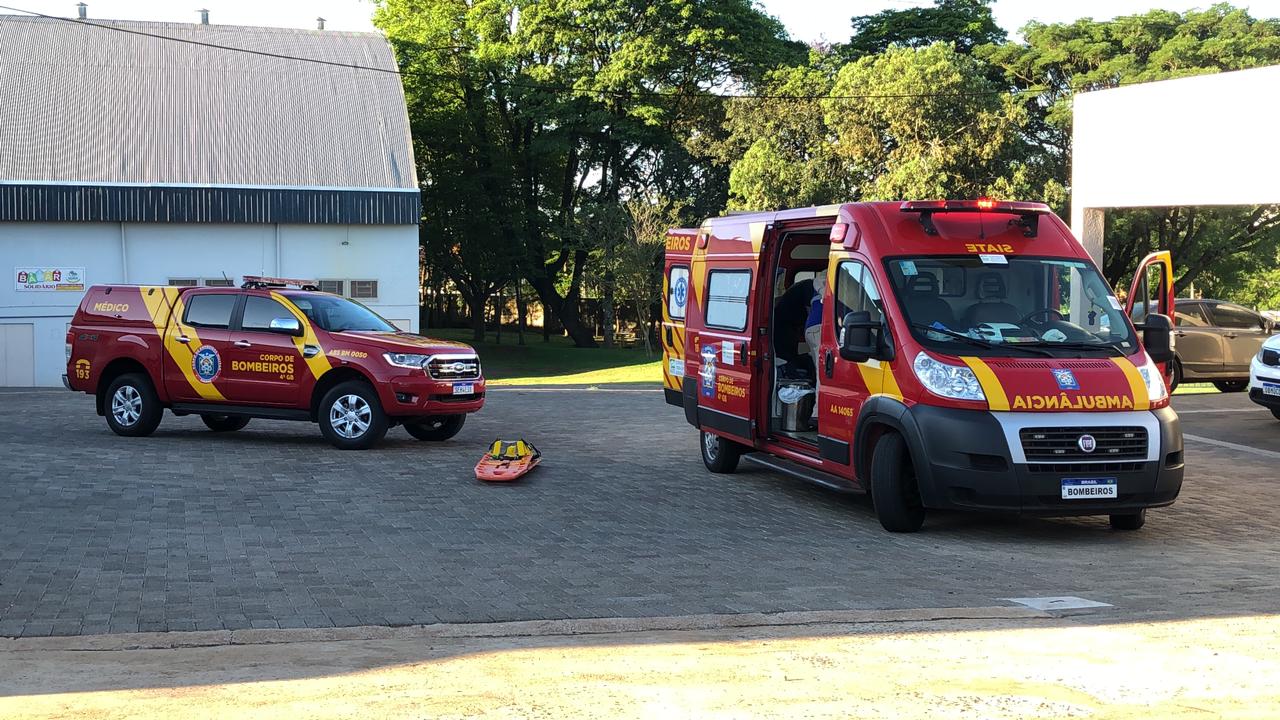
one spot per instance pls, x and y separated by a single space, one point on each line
350 416
126 405
710 445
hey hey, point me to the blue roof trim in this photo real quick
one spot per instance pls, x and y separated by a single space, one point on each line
150 204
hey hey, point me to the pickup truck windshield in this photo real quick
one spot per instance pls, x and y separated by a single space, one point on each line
1014 305
337 314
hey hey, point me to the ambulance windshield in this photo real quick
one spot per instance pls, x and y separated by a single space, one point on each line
337 314
1010 305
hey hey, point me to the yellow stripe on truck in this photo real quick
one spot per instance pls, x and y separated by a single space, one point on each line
991 387
1141 401
319 363
184 353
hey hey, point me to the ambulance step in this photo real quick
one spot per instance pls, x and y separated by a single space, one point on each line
808 474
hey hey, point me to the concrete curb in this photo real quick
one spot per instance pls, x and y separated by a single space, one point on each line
523 628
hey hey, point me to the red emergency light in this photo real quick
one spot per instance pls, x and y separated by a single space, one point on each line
1028 213
262 281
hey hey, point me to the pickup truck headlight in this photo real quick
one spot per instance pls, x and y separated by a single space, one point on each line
1154 381
406 360
952 381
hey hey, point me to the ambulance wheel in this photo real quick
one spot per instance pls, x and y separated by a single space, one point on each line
894 491
132 407
440 427
718 454
351 417
224 423
1133 521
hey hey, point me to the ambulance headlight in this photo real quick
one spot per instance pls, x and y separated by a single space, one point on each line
1154 381
406 360
951 381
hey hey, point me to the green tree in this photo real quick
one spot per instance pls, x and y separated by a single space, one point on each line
563 107
1058 60
966 24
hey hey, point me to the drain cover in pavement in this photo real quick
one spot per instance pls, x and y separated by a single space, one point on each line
1066 602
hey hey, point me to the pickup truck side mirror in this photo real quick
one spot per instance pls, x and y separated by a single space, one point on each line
1157 338
286 326
859 336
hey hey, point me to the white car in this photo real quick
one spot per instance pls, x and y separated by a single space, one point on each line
1264 376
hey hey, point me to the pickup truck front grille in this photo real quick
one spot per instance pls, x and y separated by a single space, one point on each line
454 367
1063 444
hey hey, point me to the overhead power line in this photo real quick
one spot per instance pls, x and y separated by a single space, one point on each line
624 94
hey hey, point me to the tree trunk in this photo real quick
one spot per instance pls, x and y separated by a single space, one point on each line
519 312
477 305
566 311
606 302
497 316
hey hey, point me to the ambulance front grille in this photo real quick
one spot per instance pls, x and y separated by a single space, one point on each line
454 367
1064 444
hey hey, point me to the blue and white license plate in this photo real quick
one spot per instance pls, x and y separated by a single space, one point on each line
1089 488
464 388
1270 389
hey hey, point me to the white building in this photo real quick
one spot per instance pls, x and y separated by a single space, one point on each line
129 153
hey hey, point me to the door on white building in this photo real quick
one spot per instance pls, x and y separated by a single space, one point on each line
17 355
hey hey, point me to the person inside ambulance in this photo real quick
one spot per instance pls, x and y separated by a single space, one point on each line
790 314
813 325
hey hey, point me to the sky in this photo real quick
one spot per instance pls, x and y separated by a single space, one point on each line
806 20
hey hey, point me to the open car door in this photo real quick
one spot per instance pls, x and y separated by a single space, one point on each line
1152 292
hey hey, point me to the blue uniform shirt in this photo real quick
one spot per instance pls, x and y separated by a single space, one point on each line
815 313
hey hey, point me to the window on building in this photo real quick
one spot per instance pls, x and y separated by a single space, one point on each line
727 293
260 311
212 311
337 287
217 282
364 290
183 282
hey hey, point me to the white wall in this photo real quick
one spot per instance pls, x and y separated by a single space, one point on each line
153 253
1205 140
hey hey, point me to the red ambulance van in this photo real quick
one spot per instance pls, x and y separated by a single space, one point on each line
960 355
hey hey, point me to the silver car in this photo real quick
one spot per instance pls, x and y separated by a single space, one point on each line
1215 341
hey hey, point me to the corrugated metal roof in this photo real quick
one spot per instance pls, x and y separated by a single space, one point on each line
83 104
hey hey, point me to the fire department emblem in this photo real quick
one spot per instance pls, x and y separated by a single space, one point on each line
1066 379
206 364
1087 443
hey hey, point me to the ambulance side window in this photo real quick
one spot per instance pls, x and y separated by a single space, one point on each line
677 292
727 293
855 290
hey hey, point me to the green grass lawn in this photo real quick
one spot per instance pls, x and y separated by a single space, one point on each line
557 362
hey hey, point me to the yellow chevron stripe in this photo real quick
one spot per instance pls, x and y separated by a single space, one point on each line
319 364
184 353
1141 400
991 387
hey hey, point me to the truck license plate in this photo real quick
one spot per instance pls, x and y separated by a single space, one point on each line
1270 389
464 388
1089 488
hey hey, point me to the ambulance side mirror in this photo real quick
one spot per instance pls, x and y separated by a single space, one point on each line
286 326
1157 332
859 336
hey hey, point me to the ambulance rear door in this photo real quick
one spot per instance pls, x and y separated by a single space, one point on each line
675 294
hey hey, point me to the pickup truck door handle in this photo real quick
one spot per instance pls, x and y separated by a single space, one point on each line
310 351
183 339
243 344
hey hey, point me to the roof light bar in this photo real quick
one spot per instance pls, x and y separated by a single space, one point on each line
1028 212
261 281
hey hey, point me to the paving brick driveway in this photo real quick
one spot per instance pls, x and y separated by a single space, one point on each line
270 527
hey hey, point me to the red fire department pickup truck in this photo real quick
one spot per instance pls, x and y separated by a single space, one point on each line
941 354
275 348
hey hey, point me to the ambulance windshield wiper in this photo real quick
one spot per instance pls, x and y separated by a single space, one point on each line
978 341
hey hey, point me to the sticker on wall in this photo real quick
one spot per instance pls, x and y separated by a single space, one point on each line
707 374
48 279
206 364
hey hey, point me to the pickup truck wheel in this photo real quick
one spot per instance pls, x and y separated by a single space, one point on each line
351 417
133 409
718 454
440 427
1227 386
894 490
224 423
